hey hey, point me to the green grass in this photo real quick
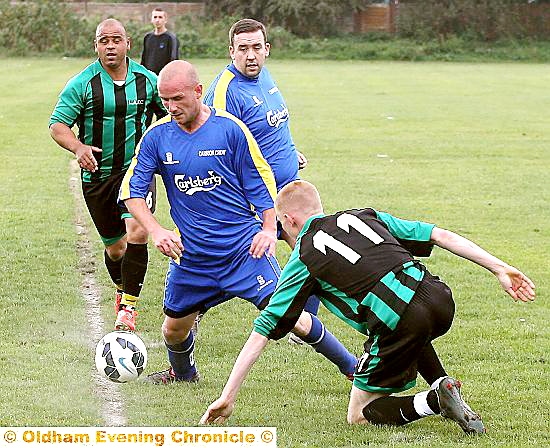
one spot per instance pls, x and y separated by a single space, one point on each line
461 145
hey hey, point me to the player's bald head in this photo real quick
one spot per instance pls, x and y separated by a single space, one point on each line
300 197
110 26
180 72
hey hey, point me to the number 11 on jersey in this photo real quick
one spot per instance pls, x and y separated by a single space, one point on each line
322 240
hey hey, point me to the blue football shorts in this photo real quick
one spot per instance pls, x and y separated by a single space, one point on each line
199 286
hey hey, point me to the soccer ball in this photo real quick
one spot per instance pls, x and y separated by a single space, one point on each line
120 356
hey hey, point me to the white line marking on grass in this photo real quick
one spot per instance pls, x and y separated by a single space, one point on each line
112 403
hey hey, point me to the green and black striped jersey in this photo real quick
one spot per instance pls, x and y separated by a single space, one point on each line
108 116
361 265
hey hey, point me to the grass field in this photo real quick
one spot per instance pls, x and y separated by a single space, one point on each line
463 145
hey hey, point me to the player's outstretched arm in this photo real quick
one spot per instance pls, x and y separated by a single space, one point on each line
513 281
166 241
516 284
223 407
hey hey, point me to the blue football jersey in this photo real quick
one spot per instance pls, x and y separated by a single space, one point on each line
260 105
211 177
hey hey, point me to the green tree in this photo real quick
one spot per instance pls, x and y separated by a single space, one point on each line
301 17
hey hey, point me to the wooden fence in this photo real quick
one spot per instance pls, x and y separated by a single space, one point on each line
376 17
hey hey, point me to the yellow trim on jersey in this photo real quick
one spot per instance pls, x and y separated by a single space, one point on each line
125 186
261 164
220 92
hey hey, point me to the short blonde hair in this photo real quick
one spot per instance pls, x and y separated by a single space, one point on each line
299 196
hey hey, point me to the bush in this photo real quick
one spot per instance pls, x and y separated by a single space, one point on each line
304 18
482 20
48 27
32 27
203 38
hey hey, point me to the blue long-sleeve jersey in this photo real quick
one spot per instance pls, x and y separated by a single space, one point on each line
260 105
211 177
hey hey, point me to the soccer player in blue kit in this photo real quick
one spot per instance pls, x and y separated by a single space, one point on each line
246 89
212 170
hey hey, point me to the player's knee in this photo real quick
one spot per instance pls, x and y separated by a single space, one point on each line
116 250
358 402
303 325
137 235
173 335
139 239
355 417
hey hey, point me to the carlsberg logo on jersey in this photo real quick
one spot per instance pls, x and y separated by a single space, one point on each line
276 117
191 185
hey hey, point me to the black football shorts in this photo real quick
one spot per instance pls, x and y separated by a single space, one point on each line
390 361
107 213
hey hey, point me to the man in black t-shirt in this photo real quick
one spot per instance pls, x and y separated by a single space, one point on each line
160 46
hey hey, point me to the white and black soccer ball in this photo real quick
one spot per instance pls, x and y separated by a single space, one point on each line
121 356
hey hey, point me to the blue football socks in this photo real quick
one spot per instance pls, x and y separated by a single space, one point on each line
312 305
325 343
182 358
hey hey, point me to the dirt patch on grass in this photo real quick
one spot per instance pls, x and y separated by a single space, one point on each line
112 403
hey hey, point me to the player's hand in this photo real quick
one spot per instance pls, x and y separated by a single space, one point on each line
516 284
302 161
85 157
218 412
167 242
264 242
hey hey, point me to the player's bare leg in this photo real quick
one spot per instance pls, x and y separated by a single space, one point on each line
358 399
